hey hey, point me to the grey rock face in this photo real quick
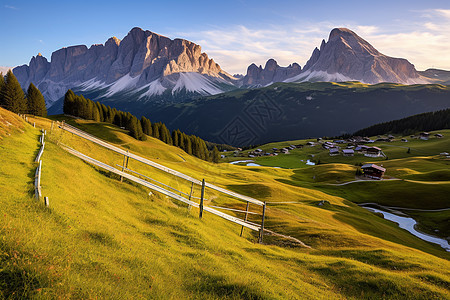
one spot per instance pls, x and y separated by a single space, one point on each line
272 72
346 55
141 55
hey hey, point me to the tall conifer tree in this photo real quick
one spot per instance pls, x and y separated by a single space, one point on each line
35 101
215 155
13 95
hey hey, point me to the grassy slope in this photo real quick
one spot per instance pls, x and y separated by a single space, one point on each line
103 238
425 174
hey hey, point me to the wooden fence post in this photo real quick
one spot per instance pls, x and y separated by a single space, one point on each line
46 203
201 199
190 195
123 167
261 231
246 215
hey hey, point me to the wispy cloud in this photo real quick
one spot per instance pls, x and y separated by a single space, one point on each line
10 7
444 12
424 41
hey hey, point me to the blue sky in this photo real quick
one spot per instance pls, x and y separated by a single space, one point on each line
233 33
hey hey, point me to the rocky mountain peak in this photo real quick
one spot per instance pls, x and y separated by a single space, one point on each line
112 40
346 56
336 32
272 72
136 61
322 45
271 65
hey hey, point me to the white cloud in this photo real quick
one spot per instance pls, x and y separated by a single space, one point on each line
366 30
443 12
10 7
237 47
424 42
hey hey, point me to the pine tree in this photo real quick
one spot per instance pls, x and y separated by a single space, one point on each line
132 127
140 133
69 103
36 102
90 110
204 150
155 129
146 126
175 138
95 114
135 128
105 113
181 141
188 144
215 155
100 111
13 95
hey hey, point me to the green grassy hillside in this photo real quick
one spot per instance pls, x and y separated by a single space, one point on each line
101 238
424 174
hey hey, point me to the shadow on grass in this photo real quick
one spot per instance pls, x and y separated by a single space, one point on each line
355 282
256 190
218 287
16 283
102 238
379 258
434 279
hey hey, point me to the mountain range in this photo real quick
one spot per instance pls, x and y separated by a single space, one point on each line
146 66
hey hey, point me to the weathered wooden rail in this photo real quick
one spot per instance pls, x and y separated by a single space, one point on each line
37 181
160 189
37 176
41 151
127 155
96 140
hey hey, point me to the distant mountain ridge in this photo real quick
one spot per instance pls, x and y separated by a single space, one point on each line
143 60
146 66
271 73
348 57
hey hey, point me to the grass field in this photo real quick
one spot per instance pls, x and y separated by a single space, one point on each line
101 238
425 175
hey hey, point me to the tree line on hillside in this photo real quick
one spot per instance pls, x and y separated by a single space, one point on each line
79 106
13 98
422 122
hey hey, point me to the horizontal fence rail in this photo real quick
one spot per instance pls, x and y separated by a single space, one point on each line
94 139
163 191
154 180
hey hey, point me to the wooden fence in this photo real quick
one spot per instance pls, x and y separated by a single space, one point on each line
162 190
37 176
127 155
